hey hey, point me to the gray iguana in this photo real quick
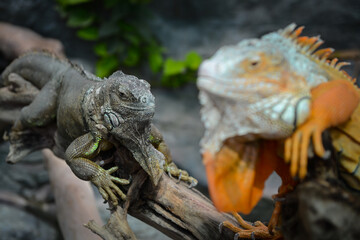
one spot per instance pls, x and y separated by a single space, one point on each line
90 113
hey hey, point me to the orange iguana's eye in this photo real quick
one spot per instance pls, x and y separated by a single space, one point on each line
254 64
251 65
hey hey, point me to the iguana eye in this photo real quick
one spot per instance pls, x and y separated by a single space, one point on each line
254 63
122 96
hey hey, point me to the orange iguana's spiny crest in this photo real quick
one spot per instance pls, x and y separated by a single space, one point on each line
309 47
260 88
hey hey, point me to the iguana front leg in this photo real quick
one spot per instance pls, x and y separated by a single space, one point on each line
332 104
158 142
78 156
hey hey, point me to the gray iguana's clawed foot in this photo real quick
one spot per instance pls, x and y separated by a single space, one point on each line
106 185
182 175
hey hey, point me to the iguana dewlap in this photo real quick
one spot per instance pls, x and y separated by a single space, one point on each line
267 89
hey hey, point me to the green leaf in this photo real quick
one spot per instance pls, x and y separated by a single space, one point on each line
106 65
193 60
155 61
80 18
100 49
172 67
88 33
72 2
132 57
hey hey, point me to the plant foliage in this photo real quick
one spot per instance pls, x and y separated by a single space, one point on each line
122 37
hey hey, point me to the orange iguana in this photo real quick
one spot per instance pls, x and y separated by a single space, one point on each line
258 93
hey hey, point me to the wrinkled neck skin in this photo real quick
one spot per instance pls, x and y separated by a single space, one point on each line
91 107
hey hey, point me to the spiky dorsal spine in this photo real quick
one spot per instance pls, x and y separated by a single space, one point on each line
309 47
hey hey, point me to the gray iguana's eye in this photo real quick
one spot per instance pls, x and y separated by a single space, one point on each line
122 96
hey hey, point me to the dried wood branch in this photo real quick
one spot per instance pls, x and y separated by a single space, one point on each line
15 41
180 212
117 228
170 207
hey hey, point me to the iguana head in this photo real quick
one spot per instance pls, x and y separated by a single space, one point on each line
261 87
126 99
127 109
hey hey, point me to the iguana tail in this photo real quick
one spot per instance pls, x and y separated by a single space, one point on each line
36 67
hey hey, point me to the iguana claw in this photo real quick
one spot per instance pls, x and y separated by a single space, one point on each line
182 175
248 231
106 185
193 183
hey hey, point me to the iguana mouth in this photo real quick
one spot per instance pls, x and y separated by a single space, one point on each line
210 84
135 108
243 89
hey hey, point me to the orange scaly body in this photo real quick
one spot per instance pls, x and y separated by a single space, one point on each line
260 92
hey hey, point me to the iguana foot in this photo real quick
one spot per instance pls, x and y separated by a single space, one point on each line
256 231
106 185
296 146
182 175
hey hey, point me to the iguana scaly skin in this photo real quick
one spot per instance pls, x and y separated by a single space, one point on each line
89 113
258 93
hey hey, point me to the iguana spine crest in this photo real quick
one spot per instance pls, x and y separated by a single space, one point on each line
309 47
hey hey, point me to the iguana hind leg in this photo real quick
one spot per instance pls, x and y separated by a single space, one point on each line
78 156
42 110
